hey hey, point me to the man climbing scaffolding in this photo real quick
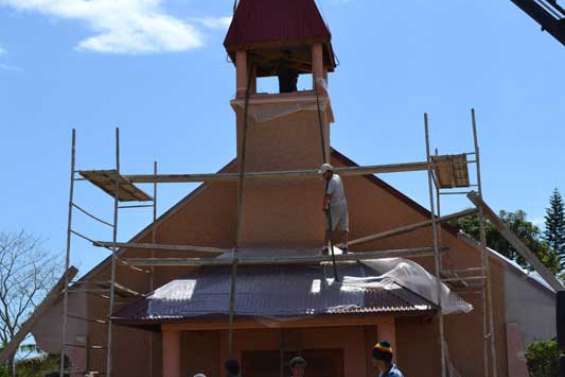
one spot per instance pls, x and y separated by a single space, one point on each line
335 207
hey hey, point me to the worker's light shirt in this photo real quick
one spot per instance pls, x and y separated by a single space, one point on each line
393 372
336 192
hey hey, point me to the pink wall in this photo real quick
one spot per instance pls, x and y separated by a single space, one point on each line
205 351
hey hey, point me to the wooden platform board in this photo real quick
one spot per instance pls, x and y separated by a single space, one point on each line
451 170
105 179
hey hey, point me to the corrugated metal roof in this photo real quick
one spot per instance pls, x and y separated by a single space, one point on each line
289 21
285 24
272 292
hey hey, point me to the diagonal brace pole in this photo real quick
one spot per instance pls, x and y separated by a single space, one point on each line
520 247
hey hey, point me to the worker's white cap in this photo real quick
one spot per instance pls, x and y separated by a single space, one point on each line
325 168
199 375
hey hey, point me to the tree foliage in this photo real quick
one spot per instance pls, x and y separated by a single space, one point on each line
528 233
38 366
543 359
555 225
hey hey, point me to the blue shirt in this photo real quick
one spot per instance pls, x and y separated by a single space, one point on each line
393 372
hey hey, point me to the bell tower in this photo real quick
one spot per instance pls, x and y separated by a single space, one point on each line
286 130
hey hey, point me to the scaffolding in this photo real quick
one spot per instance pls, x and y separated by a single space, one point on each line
444 174
122 191
449 175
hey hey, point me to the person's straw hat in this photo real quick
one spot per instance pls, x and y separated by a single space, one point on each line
382 351
325 168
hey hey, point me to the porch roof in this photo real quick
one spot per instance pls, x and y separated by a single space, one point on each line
272 292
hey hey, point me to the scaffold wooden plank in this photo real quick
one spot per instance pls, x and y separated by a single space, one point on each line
227 177
162 247
451 170
358 256
106 180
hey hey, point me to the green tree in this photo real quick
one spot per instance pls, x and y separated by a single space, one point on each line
528 233
37 366
543 359
555 225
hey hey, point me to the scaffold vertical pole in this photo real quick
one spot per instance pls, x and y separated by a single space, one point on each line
242 154
152 254
113 265
488 315
438 211
154 228
68 254
436 247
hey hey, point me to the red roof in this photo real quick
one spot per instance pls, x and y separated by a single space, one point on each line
258 22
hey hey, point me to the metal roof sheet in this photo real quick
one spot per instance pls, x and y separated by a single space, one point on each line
272 292
289 21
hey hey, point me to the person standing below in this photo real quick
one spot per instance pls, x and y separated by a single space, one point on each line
232 368
382 360
335 207
297 366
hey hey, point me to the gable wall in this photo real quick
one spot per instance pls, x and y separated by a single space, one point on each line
530 306
208 219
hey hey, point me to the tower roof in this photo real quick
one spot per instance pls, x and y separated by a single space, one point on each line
266 23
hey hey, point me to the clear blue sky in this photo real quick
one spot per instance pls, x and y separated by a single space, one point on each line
158 70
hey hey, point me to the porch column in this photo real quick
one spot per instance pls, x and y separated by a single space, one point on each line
318 71
241 73
517 366
387 331
171 353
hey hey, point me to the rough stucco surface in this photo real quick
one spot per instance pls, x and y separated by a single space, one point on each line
47 332
281 211
530 306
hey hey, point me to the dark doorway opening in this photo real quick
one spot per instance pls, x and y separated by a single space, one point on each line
321 363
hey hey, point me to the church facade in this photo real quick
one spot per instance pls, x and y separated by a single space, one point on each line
182 327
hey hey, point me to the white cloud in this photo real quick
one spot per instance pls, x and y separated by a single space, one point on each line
221 23
123 26
2 51
11 68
